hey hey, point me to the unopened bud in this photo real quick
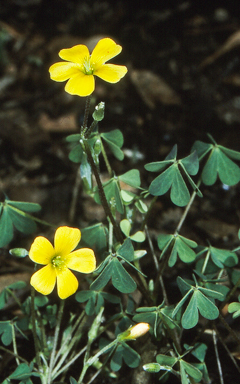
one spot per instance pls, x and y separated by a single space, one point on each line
134 332
98 114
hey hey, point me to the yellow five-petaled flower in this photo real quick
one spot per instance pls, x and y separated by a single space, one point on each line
80 67
58 260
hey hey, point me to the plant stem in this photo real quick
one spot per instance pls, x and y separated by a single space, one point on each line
94 358
102 195
55 340
110 172
22 213
90 129
217 358
63 369
15 344
230 294
74 338
148 212
14 296
86 114
13 354
34 330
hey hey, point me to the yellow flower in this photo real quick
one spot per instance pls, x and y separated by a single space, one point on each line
80 67
58 260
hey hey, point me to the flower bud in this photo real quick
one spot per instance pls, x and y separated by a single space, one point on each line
98 114
134 332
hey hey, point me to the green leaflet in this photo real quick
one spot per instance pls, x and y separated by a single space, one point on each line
15 214
171 177
219 163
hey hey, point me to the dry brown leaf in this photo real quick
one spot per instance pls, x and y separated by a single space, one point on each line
6 280
153 89
217 229
232 42
233 80
62 124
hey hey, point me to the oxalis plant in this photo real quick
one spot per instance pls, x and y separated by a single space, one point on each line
90 340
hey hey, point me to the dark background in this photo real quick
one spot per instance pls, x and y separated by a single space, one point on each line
183 82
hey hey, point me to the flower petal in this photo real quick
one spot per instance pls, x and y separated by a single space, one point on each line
44 280
83 260
81 85
41 250
111 73
63 71
67 283
105 50
76 54
66 239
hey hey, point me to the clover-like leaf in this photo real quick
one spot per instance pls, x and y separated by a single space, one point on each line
126 353
112 192
95 300
188 369
219 163
121 279
6 332
131 178
179 245
23 372
171 177
199 302
16 214
114 139
235 308
95 236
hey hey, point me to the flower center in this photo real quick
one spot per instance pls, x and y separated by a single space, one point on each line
88 70
58 262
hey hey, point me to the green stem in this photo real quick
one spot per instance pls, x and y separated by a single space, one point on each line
94 358
13 295
230 330
14 354
90 129
74 338
206 262
86 114
14 344
230 294
55 341
63 369
110 172
185 213
22 213
148 212
34 330
102 195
